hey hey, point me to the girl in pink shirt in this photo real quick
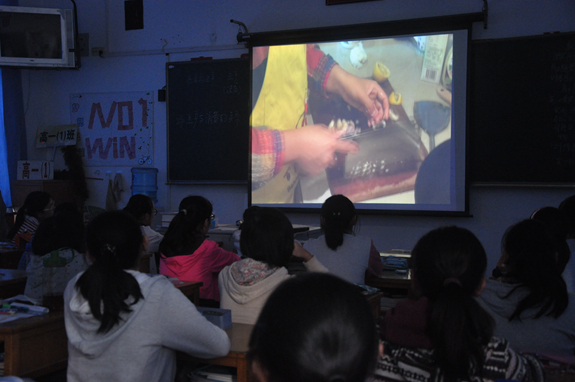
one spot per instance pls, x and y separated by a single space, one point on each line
186 253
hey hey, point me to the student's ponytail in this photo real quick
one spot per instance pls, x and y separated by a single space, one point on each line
114 242
460 329
338 217
448 266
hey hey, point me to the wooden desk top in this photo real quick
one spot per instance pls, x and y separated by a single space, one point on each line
29 323
239 335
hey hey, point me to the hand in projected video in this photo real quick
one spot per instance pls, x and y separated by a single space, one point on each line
313 147
363 94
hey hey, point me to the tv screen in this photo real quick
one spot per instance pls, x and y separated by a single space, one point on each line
321 125
36 37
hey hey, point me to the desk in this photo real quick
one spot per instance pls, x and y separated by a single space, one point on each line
190 289
12 282
239 335
393 285
36 346
389 280
374 301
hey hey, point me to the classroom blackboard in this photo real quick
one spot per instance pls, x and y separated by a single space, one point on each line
522 118
208 114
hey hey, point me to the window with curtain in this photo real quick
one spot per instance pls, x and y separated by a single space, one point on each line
4 173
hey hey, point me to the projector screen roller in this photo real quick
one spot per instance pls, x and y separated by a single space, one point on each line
380 120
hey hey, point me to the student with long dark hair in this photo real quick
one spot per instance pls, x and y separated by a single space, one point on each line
267 242
344 253
445 335
142 208
307 335
123 325
58 254
38 205
531 297
188 255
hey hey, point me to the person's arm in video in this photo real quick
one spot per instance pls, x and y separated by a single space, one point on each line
364 94
313 147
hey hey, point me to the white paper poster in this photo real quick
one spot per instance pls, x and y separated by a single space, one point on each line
116 129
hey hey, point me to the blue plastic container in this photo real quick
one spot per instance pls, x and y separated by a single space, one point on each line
145 181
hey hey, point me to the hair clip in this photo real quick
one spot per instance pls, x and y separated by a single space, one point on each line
184 211
110 248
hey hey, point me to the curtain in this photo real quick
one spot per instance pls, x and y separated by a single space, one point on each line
12 125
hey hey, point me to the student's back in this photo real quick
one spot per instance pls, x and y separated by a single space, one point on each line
531 297
188 255
339 249
144 319
445 335
58 254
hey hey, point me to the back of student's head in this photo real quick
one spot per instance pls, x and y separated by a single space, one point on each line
449 265
185 230
267 236
114 242
139 205
338 217
533 261
567 206
65 229
34 205
314 327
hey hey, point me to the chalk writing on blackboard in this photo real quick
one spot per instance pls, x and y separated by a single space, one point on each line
522 125
208 118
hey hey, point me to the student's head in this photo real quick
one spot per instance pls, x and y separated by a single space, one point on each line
114 242
531 259
314 327
567 206
114 238
65 229
448 268
196 211
267 236
337 217
445 254
188 228
38 204
142 208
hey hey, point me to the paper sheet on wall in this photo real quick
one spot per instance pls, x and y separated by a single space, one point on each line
116 129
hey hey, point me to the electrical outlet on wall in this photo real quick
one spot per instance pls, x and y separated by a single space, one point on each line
97 51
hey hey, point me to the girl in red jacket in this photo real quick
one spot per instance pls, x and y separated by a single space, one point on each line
186 253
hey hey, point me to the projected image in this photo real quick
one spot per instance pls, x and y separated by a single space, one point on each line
358 118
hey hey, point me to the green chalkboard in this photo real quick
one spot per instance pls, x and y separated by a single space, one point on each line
522 117
208 111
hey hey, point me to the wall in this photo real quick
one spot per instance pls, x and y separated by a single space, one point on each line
135 61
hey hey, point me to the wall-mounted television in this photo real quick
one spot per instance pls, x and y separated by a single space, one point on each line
411 161
37 37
